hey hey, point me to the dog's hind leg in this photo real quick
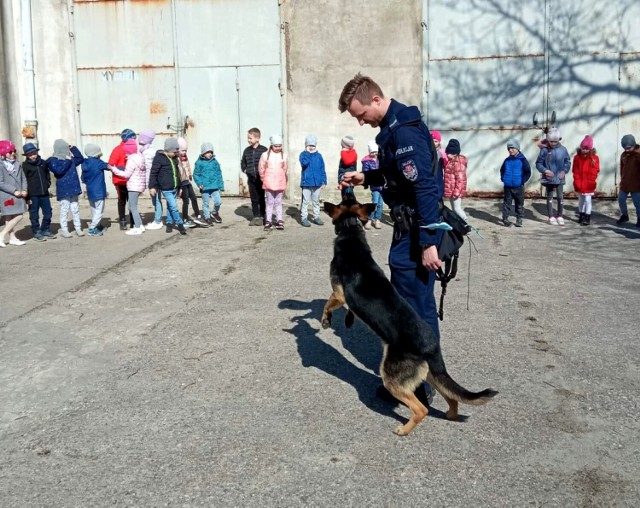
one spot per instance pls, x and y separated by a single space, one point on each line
349 318
400 376
452 412
335 301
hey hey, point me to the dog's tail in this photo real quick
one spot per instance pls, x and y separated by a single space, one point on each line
443 382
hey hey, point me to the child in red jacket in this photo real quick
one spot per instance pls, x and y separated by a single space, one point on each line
348 162
586 166
455 177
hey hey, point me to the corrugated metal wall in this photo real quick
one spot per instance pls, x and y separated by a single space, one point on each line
207 70
490 65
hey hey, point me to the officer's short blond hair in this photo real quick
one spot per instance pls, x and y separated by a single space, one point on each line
362 88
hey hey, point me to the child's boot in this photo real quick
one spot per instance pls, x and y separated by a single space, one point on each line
581 218
623 218
586 221
123 225
519 222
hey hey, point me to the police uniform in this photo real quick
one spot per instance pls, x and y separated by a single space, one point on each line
412 191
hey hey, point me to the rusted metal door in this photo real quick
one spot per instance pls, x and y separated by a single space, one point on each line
153 65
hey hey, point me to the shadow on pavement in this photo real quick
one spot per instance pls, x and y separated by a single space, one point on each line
314 352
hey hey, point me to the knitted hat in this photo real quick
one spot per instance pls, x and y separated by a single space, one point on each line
171 145
372 146
206 147
553 134
182 143
60 149
127 134
6 147
310 140
92 150
436 136
453 147
347 142
130 146
628 141
513 143
276 139
29 148
146 137
587 143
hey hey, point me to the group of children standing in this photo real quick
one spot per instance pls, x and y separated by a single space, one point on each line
135 166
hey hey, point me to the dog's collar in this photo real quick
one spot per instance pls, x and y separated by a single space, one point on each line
349 222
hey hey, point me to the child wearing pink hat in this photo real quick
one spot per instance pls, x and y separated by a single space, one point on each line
586 166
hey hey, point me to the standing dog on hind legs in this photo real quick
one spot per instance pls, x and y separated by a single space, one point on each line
411 353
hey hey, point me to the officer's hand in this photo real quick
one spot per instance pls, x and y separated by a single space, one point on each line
430 259
352 178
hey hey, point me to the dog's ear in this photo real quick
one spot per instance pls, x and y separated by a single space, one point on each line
364 211
329 208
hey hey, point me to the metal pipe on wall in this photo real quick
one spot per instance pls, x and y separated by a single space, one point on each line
30 129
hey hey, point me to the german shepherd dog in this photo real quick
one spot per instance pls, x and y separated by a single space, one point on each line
411 353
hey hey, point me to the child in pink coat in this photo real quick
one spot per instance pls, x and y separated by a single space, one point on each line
273 173
135 172
455 177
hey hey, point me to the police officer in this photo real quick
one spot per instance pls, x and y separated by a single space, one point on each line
412 190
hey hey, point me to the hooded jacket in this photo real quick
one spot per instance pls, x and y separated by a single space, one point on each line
586 167
165 175
556 160
93 177
38 177
67 180
313 170
207 173
273 171
630 170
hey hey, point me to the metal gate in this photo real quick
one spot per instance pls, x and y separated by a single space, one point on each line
206 70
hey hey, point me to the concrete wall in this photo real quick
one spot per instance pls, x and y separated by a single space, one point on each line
327 43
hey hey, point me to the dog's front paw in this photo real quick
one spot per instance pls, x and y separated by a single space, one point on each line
326 322
400 431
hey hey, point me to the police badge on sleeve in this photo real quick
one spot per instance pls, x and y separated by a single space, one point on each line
409 170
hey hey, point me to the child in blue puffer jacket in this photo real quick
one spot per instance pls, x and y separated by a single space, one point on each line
553 163
93 170
208 177
313 179
63 164
514 173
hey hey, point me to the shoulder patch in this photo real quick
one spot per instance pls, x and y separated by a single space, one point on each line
409 170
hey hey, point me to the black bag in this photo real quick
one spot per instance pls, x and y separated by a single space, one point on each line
452 240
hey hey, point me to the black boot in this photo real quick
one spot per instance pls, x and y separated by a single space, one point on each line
623 218
123 225
182 229
587 219
581 218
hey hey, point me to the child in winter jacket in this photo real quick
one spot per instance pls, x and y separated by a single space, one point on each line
313 179
188 194
371 163
514 173
586 166
629 178
437 141
13 193
348 162
119 159
273 173
38 182
63 164
553 163
148 152
455 177
93 169
165 179
135 173
208 177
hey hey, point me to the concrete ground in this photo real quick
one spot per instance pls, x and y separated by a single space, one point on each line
193 371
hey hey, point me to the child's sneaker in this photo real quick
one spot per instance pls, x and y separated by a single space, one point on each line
377 224
182 229
367 225
267 226
64 233
189 224
518 222
216 217
170 228
553 221
15 241
623 218
318 221
79 232
39 237
48 235
507 223
280 225
154 225
94 232
199 221
134 231
560 221
305 223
